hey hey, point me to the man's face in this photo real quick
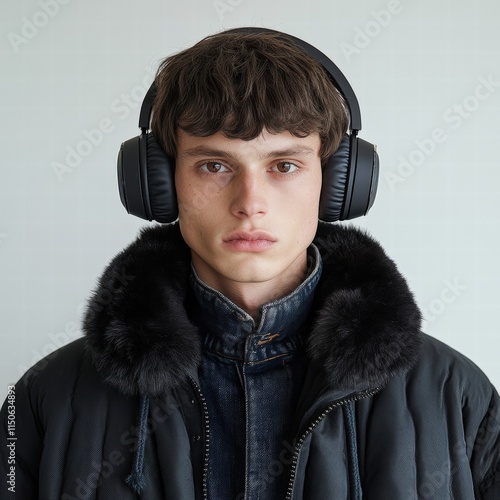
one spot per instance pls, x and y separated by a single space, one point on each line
248 209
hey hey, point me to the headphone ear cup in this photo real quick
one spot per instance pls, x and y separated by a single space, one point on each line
362 180
130 178
335 178
350 180
161 182
146 180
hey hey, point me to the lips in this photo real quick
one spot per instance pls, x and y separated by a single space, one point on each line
249 236
249 241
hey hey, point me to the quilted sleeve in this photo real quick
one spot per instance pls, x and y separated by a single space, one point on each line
20 444
485 459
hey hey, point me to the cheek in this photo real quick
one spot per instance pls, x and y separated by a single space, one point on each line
197 213
193 231
187 197
305 201
305 208
196 198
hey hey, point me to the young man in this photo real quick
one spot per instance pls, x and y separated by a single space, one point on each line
248 351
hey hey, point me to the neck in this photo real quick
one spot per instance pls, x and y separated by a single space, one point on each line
249 296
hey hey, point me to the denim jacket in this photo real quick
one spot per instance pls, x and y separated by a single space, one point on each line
251 376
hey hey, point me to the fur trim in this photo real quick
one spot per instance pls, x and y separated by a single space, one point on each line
366 322
137 329
367 328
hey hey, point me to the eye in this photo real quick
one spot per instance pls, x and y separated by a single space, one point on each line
213 167
285 167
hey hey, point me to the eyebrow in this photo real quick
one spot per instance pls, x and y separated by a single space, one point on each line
301 150
198 151
204 151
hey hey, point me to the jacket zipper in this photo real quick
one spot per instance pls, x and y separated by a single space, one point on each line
310 429
206 444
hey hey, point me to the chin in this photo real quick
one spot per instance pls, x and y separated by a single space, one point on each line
247 275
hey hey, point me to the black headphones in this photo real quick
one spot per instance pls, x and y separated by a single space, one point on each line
350 176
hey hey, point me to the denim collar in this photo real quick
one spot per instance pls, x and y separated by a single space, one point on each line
232 333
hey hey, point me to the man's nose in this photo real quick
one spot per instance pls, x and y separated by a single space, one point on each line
250 195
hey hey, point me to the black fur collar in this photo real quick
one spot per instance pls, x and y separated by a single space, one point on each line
366 325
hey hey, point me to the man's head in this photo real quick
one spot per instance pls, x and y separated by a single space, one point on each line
241 83
249 119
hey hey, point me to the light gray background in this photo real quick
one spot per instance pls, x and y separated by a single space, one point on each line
418 68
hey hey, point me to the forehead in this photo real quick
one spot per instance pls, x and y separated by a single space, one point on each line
265 145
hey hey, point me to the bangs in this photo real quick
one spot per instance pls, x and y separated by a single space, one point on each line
244 118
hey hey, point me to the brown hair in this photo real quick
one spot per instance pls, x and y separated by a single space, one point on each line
241 83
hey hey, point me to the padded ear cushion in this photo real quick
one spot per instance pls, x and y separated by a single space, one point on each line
364 173
335 178
130 178
161 183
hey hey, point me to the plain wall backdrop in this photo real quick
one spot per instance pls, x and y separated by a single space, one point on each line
72 78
